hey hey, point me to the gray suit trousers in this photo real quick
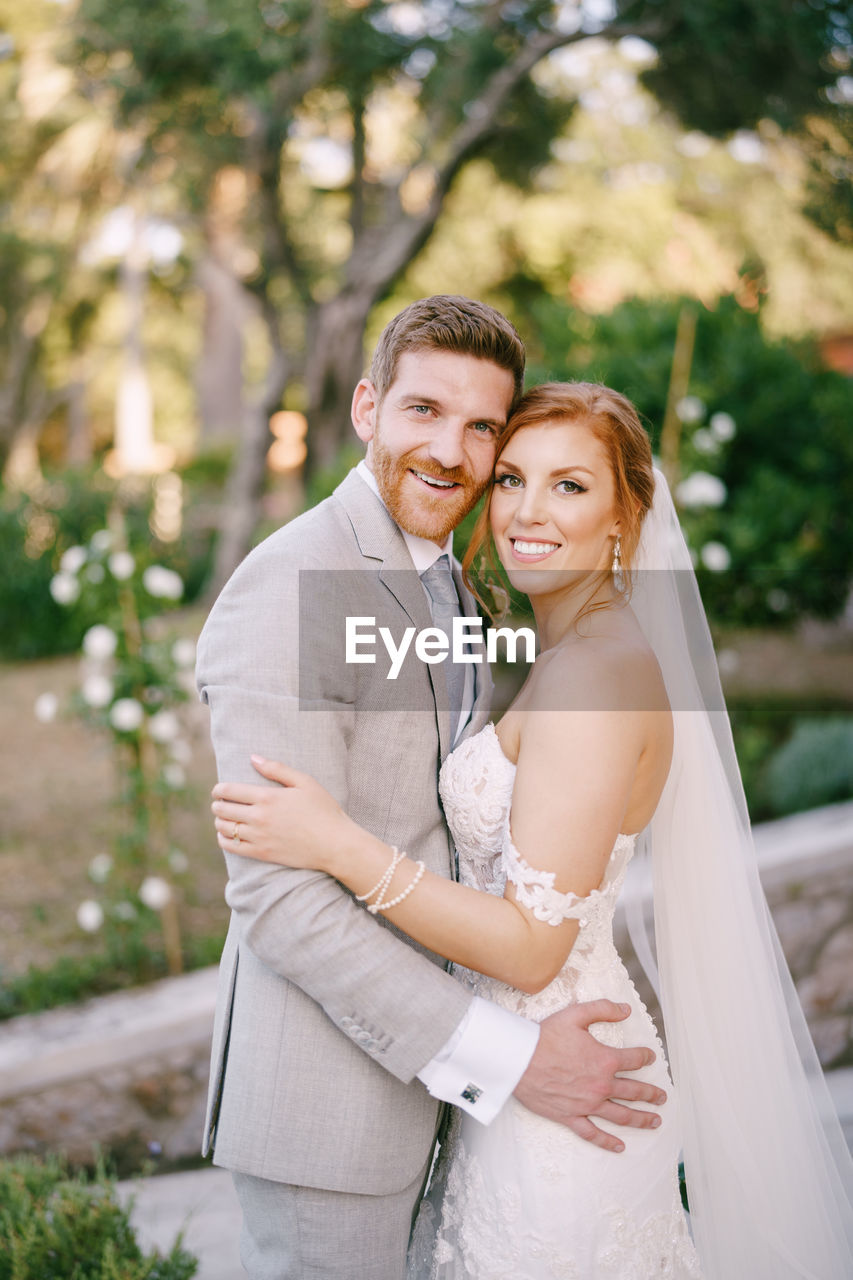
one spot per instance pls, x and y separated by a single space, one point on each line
305 1233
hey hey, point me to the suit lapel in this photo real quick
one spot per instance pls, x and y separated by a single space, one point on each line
483 683
380 540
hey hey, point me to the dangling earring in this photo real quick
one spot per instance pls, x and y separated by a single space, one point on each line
616 567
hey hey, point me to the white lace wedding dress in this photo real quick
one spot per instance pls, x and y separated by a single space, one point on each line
523 1198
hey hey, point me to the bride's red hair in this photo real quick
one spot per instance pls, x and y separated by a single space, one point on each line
613 420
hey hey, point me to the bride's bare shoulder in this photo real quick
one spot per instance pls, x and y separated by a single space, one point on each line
606 670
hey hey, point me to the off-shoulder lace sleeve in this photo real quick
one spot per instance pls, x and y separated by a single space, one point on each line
535 889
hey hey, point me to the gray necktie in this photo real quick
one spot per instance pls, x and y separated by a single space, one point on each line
444 606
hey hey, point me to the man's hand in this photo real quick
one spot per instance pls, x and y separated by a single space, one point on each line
572 1076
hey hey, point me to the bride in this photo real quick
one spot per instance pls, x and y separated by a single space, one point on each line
617 742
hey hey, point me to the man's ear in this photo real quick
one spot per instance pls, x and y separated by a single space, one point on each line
365 404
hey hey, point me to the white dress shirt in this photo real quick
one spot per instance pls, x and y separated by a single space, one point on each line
479 1066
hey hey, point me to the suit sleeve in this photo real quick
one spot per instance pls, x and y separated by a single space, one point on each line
391 1000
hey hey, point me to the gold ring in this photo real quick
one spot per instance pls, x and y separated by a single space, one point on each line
236 835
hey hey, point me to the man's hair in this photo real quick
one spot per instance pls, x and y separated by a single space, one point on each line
448 322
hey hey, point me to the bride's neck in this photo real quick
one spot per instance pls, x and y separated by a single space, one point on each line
563 614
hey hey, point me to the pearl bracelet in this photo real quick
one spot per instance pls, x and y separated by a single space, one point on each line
379 905
383 883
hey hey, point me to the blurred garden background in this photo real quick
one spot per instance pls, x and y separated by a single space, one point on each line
211 208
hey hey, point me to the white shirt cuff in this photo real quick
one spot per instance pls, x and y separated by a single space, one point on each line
482 1062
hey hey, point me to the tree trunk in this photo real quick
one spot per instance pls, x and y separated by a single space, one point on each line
679 384
334 363
219 373
22 470
242 500
78 449
241 506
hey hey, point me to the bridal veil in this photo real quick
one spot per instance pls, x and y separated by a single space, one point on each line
769 1176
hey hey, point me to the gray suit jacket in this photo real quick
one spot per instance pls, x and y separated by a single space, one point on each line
326 1014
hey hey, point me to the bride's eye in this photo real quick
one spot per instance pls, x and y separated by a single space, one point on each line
574 487
507 481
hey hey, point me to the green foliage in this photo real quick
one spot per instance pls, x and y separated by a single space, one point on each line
324 481
35 531
726 64
787 470
126 961
814 767
762 729
53 1225
828 145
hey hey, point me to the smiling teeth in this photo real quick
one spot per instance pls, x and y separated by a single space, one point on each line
534 548
441 484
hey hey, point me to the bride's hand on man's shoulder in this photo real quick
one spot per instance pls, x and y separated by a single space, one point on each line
294 824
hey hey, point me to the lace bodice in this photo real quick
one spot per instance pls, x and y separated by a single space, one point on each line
476 784
524 1198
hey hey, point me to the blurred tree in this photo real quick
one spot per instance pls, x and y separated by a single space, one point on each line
352 119
45 214
631 205
828 143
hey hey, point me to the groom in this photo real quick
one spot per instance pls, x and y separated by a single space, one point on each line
336 1038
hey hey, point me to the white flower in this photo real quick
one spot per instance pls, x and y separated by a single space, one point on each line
690 409
183 652
125 911
704 441
72 559
121 565
778 600
100 867
155 893
716 556
46 707
178 861
101 541
100 642
728 660
701 489
64 588
181 751
126 715
90 915
186 681
163 583
174 775
164 726
723 426
97 691
95 573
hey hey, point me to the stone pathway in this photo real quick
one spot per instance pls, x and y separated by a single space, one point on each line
202 1205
